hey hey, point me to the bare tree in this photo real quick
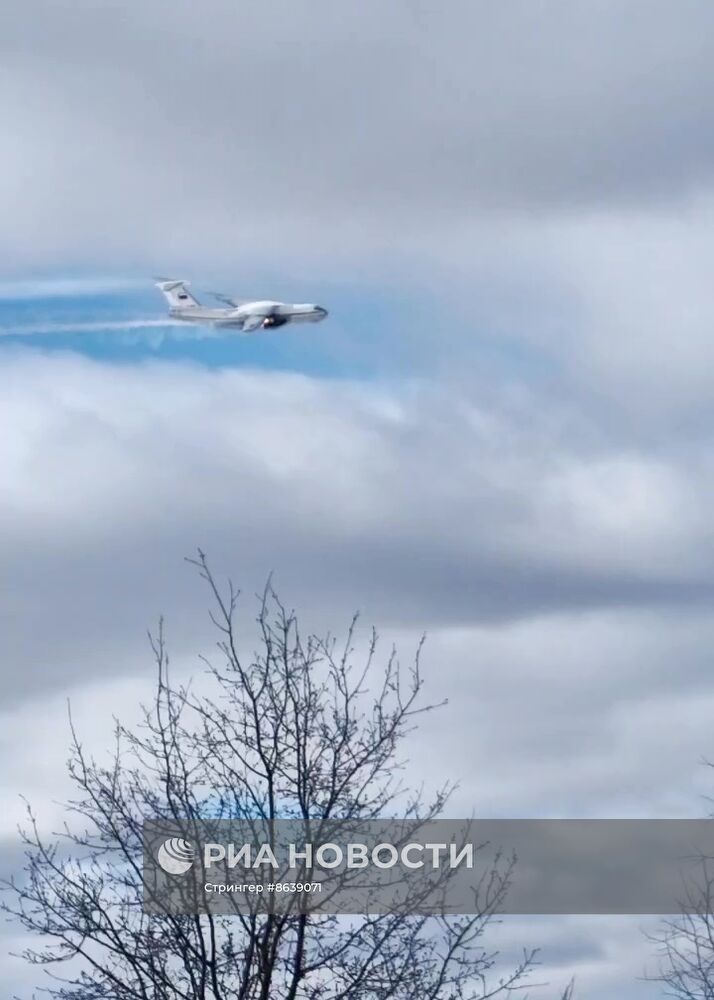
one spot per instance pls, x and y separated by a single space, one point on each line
685 943
298 729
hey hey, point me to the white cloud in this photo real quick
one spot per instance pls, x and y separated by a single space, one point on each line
544 181
417 506
562 579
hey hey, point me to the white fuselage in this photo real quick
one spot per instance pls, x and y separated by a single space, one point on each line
235 314
268 313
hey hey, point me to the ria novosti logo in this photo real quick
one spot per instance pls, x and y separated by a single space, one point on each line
176 856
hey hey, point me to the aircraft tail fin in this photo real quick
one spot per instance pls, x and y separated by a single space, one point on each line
176 293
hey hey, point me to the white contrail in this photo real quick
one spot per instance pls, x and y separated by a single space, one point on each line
96 326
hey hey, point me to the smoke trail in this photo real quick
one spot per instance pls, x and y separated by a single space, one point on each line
99 326
40 329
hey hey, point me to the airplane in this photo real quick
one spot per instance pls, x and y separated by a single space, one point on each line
235 314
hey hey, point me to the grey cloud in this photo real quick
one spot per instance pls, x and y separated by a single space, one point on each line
545 172
539 176
572 715
413 507
171 127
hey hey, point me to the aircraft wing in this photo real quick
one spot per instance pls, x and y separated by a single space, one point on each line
253 322
227 299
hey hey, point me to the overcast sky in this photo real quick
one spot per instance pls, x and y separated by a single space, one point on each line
502 435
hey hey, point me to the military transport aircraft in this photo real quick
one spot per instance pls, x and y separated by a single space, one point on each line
235 314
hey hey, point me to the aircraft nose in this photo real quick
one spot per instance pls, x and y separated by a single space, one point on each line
321 312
